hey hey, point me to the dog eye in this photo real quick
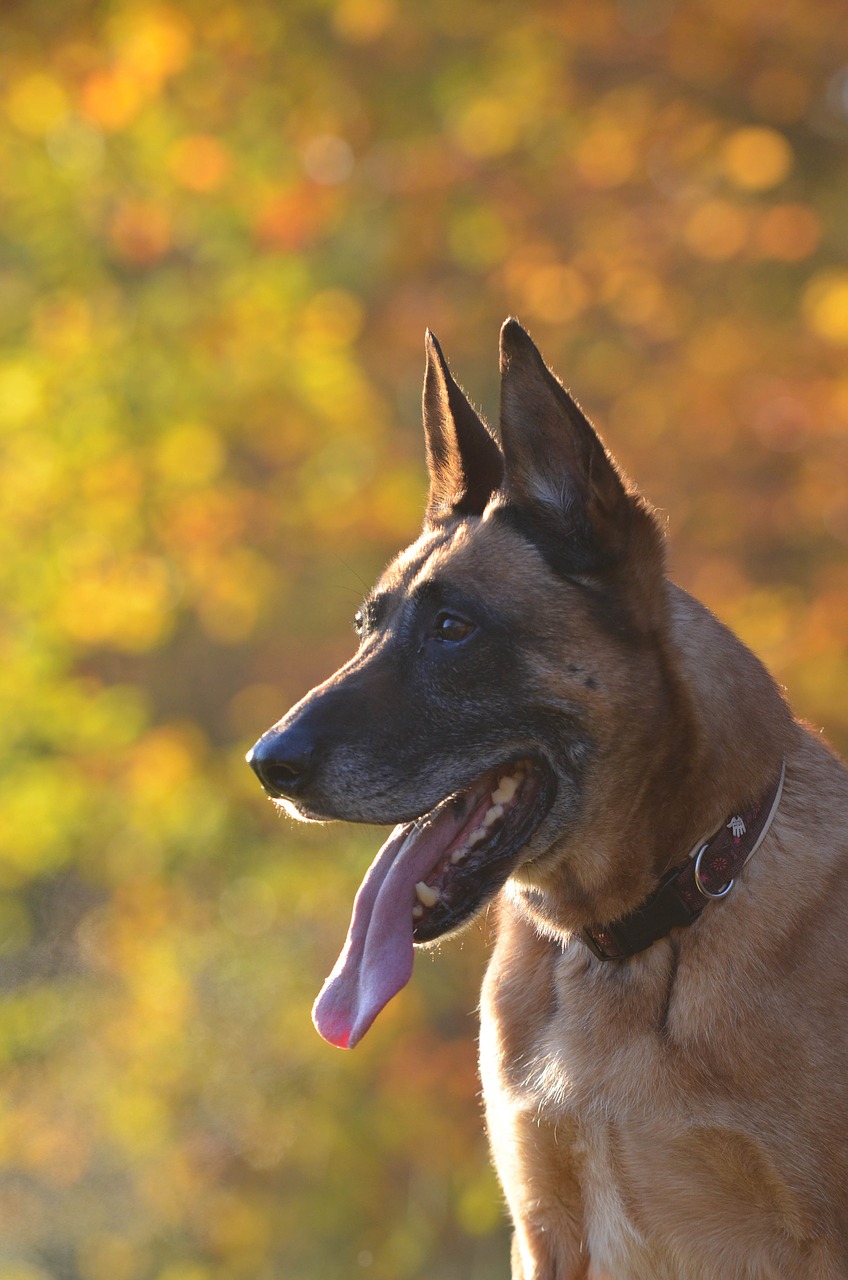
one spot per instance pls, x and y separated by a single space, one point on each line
452 629
359 622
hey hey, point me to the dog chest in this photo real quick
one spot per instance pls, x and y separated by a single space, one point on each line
595 1125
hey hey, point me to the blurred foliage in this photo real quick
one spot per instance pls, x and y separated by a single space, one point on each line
224 227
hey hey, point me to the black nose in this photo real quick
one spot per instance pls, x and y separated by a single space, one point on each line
281 761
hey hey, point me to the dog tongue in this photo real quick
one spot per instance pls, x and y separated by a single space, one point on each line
376 960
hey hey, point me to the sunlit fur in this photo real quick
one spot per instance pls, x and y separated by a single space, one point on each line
680 1115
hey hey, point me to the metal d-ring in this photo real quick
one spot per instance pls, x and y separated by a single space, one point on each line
708 893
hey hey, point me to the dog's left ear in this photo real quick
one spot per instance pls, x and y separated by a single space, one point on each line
557 470
464 462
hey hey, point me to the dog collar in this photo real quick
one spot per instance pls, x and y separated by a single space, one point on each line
709 872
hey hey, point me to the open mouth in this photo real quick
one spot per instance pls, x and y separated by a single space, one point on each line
478 832
429 876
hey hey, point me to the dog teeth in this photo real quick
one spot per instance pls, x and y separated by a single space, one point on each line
426 894
506 789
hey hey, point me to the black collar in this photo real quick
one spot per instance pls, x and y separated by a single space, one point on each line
708 873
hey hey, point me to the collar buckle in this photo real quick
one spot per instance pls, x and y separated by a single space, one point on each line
699 884
709 873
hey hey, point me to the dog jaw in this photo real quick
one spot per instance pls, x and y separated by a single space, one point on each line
476 859
430 877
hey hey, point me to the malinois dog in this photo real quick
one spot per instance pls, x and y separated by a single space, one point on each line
561 733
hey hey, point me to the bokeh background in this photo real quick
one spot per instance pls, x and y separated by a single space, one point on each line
224 225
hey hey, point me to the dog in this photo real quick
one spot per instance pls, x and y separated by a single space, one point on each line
561 734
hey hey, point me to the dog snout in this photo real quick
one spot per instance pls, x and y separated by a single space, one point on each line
282 761
304 758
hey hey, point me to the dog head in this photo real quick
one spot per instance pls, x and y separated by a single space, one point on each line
508 666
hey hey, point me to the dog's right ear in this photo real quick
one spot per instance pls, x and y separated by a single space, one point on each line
564 488
464 462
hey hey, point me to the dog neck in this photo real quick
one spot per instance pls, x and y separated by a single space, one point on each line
732 724
708 874
713 748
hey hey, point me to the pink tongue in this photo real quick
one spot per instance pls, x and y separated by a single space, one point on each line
376 960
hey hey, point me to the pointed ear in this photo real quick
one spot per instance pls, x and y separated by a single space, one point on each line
463 460
556 467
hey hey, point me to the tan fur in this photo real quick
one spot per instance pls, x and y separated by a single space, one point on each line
682 1114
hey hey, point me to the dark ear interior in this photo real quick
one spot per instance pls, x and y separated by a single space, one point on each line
552 452
557 472
464 462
